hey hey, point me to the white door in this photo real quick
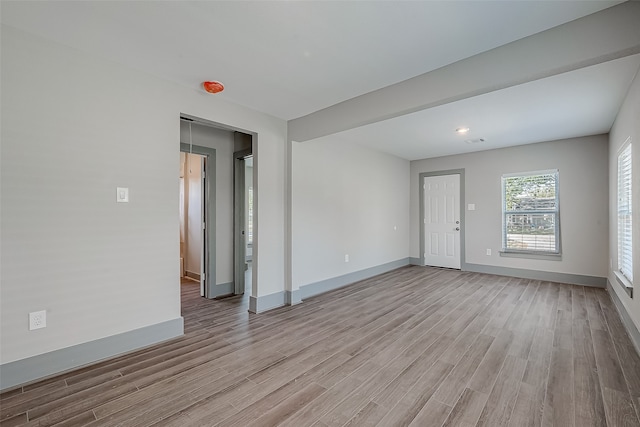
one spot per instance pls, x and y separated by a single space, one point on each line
442 221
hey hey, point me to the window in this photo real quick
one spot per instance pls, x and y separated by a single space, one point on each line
531 213
250 215
625 258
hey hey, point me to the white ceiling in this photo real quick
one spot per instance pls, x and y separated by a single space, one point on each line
578 103
289 59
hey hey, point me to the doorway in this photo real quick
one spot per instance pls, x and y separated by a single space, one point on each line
228 215
442 219
192 218
201 172
243 221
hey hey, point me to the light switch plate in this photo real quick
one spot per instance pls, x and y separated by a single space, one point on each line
122 195
471 207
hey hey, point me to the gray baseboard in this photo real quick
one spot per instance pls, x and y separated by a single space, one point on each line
279 299
631 328
293 297
192 275
574 279
416 261
322 286
33 368
267 302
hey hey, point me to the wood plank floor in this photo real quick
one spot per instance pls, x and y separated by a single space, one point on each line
416 346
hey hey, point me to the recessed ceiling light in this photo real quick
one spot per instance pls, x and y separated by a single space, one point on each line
462 131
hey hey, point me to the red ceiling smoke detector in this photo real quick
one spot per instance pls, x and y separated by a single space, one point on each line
213 87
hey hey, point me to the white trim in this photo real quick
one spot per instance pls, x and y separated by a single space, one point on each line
530 173
624 145
512 253
557 251
624 282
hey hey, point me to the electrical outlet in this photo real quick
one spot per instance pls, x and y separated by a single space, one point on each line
346 258
488 251
37 320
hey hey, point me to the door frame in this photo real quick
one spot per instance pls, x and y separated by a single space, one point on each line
209 206
421 177
239 219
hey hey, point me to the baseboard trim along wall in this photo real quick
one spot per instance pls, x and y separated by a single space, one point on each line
293 297
280 299
631 328
323 286
44 365
192 275
416 261
574 279
267 302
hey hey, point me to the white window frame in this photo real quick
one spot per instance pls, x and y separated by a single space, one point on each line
528 252
624 214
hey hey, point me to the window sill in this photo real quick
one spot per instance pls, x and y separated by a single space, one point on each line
625 283
531 255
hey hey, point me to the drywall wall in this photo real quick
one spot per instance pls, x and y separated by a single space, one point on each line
222 141
627 125
346 200
583 169
73 128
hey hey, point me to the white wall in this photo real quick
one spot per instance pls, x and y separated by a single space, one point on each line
346 199
74 127
627 124
222 141
583 169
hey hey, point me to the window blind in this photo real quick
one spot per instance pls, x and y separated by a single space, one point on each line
625 257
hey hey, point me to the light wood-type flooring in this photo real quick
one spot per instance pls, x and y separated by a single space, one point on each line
416 346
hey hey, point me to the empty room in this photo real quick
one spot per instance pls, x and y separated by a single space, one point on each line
319 213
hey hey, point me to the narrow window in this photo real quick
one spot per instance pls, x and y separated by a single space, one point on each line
625 257
531 213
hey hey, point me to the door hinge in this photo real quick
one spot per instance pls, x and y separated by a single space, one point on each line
204 226
203 277
204 174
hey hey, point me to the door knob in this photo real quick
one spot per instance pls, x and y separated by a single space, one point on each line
457 228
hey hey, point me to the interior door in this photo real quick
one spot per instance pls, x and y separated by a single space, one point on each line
204 256
239 219
208 219
442 221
